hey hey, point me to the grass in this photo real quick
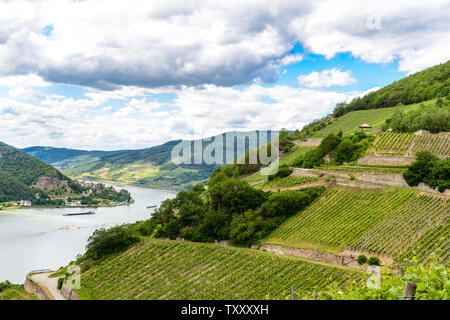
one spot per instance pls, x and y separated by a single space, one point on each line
16 292
350 122
287 159
287 182
163 269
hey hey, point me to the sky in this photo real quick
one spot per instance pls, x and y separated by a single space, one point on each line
108 75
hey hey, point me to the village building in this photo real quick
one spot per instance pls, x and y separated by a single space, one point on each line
25 203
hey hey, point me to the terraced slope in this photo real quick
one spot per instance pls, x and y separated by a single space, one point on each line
408 144
385 221
162 269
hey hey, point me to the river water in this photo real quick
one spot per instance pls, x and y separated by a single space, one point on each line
34 239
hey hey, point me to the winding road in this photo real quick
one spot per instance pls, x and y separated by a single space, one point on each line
50 283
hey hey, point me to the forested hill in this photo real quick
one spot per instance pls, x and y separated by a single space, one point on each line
425 85
53 155
12 189
24 167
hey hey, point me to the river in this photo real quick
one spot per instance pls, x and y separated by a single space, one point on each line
33 239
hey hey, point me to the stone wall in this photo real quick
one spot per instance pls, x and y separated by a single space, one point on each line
35 289
356 183
299 172
329 258
68 293
48 183
381 179
312 142
392 160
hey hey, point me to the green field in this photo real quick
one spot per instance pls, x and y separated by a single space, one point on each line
163 269
384 221
350 122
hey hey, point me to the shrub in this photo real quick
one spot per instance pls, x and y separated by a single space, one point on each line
103 242
429 169
283 172
362 259
5 285
60 283
373 261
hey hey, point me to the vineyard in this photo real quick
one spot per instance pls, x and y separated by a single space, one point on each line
163 269
408 144
384 221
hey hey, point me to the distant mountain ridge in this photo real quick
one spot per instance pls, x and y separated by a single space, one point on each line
150 166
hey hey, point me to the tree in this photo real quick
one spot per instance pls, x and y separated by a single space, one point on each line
421 169
345 151
362 259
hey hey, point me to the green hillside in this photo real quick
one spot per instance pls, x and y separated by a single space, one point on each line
161 269
19 171
384 221
24 167
350 122
54 155
63 158
10 291
425 85
12 189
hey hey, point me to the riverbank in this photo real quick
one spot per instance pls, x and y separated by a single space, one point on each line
134 184
121 204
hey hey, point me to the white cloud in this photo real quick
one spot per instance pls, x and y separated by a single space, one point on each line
412 31
141 123
326 78
125 52
106 43
23 81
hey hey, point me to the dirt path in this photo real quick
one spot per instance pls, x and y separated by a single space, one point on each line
50 283
319 183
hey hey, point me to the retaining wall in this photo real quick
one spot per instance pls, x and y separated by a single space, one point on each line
312 142
68 293
329 258
393 160
34 288
382 179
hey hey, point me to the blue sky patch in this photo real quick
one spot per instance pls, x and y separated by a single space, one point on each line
47 31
